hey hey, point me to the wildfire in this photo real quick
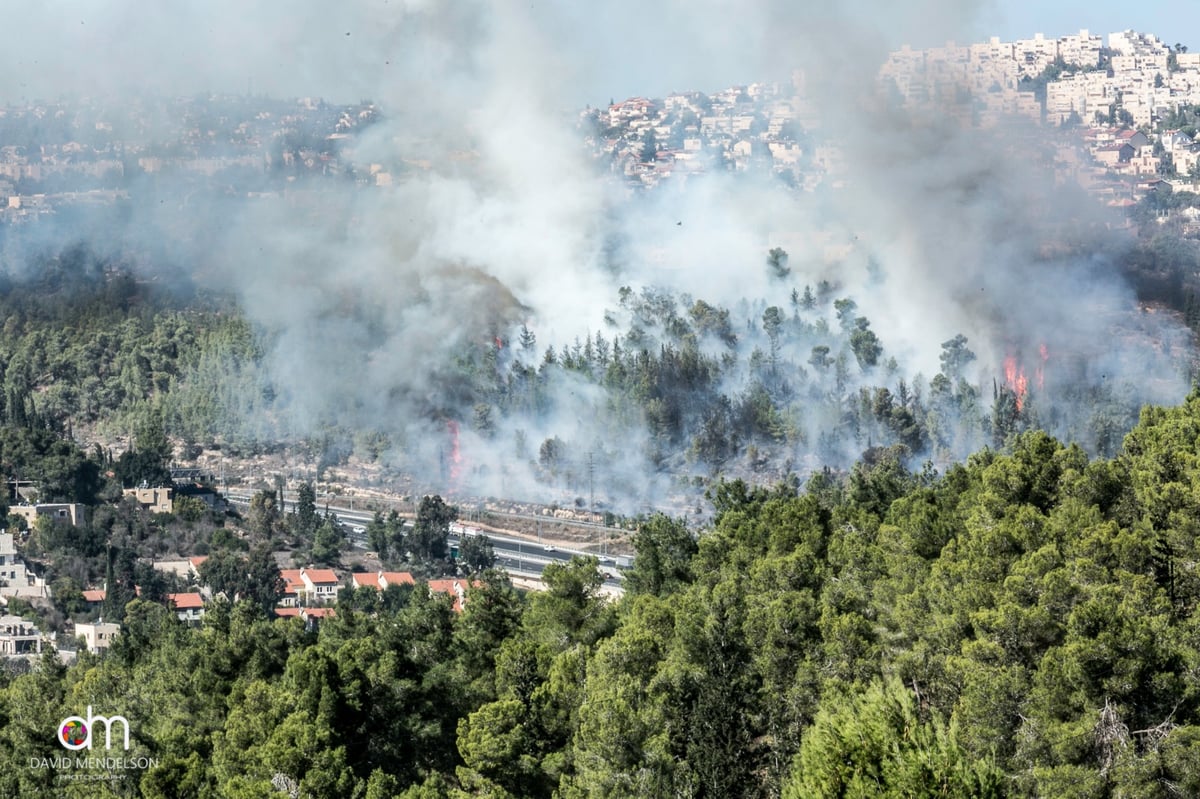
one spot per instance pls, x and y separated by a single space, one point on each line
1015 380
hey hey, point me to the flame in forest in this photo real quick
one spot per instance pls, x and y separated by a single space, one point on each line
1040 372
499 343
455 454
1015 381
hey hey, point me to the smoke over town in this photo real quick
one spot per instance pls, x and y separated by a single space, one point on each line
401 307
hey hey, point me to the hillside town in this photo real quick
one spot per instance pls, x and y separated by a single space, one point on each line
94 152
307 593
1122 115
1123 109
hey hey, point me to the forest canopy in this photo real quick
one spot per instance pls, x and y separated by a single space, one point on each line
1023 624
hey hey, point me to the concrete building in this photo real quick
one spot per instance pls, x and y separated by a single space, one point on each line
19 636
98 636
155 500
15 579
183 568
71 513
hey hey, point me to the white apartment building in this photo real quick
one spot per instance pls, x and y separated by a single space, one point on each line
15 579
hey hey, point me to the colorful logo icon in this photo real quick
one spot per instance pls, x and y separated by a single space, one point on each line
74 733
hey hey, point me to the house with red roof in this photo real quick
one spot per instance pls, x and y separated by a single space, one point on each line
294 590
322 584
380 581
189 607
183 568
310 616
94 597
308 586
455 588
1134 138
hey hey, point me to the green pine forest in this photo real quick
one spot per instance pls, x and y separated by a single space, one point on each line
917 622
95 347
1025 624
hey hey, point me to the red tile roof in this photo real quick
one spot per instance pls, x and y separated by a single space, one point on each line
381 580
364 579
321 576
455 588
318 613
94 595
188 601
284 612
291 577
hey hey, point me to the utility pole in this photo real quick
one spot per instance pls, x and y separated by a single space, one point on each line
592 486
591 466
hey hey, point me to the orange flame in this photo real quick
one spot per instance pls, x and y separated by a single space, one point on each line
1040 372
1015 381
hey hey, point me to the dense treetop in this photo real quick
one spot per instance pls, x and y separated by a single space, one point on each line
1023 625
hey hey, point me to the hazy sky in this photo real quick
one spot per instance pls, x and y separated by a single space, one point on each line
588 52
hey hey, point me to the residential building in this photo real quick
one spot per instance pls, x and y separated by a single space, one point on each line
310 616
203 493
309 586
1111 155
322 584
1133 43
94 597
71 513
97 636
19 636
183 568
380 580
1082 49
1034 55
189 607
15 579
155 500
1134 138
455 588
294 590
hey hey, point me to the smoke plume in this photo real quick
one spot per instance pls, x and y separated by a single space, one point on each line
384 308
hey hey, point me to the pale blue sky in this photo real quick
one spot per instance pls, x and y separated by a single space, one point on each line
1171 20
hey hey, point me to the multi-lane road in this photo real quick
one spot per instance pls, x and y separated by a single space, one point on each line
517 555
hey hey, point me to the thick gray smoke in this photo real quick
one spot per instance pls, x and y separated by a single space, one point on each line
499 216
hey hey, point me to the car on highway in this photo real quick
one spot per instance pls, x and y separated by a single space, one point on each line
548 547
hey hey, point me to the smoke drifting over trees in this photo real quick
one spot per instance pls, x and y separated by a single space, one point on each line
665 343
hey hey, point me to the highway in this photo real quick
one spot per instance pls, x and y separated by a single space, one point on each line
516 555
